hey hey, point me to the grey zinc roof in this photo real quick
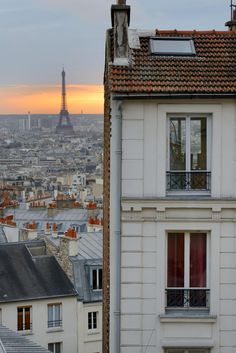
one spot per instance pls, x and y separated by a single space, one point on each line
70 214
24 277
12 342
64 218
90 246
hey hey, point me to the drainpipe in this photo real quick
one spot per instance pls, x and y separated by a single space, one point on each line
115 225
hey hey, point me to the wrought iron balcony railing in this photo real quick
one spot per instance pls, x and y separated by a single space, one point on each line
189 181
24 326
181 298
55 323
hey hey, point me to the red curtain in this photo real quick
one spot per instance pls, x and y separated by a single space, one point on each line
27 318
19 319
175 260
198 260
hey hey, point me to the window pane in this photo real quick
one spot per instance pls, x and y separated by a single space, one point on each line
94 279
177 144
94 320
175 260
50 347
20 319
57 312
89 321
100 278
50 313
27 318
198 144
175 46
58 347
198 260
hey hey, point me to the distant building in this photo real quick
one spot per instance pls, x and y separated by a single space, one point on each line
36 296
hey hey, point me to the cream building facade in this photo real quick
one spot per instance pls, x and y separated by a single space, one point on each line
171 245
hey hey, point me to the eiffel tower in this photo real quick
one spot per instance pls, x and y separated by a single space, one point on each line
64 125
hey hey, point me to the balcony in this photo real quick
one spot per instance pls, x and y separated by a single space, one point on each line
54 323
188 299
188 181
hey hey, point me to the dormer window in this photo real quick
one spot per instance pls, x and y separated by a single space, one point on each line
173 46
96 278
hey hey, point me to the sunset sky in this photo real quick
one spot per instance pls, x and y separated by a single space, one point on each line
39 37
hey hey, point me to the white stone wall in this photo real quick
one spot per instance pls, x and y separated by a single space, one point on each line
41 334
143 278
144 146
90 341
147 219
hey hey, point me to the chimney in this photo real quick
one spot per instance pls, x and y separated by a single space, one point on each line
54 231
72 239
232 23
120 18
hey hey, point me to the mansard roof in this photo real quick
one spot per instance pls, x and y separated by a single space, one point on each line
27 277
211 71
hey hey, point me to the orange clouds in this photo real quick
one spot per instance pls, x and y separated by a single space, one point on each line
19 99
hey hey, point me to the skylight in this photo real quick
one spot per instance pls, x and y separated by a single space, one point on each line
172 46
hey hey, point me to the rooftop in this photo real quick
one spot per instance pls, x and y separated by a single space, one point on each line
211 71
27 277
12 342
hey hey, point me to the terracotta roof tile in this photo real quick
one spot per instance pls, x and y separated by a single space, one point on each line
212 70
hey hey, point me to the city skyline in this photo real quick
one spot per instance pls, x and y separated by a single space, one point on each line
39 38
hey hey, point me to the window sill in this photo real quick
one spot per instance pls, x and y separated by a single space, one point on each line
54 329
25 332
188 193
93 332
188 318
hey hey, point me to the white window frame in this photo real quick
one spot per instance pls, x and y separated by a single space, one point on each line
97 269
187 117
186 265
54 346
93 314
23 317
54 319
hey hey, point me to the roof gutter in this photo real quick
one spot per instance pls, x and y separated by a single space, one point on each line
122 96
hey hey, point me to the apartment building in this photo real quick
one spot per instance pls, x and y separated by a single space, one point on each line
170 189
37 299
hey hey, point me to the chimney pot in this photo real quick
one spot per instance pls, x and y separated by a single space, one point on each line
121 2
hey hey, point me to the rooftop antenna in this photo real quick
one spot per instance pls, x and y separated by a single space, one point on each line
233 7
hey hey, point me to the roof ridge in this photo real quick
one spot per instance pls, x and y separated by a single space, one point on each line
194 31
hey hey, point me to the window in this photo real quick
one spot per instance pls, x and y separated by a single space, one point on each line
54 315
92 320
55 347
187 271
96 280
24 318
172 46
189 154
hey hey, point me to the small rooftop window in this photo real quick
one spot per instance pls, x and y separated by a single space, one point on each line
172 46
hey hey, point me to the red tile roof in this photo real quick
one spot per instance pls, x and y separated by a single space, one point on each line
212 70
